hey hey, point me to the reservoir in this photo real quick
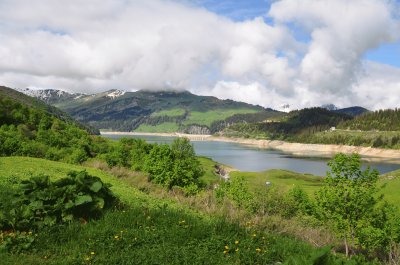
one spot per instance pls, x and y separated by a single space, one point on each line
249 158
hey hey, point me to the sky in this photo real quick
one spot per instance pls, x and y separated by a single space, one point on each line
301 53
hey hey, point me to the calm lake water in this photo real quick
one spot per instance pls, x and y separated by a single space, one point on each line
248 158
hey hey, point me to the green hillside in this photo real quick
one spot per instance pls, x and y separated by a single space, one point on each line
29 127
381 120
293 126
380 129
158 111
147 231
34 103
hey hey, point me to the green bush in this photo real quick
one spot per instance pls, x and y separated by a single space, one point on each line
350 200
39 202
174 166
237 190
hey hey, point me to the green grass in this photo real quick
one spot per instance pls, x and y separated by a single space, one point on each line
208 117
209 177
19 168
391 186
171 112
148 231
166 127
281 178
285 180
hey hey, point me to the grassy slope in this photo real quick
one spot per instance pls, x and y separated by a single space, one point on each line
208 117
169 112
166 127
151 231
195 117
391 182
282 178
309 183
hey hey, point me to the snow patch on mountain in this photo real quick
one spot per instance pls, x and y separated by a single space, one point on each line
50 96
115 93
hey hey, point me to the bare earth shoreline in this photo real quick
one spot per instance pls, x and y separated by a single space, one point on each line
297 149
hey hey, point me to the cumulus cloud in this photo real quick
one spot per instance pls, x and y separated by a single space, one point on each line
95 45
341 32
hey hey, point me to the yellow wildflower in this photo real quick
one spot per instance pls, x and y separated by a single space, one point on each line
226 247
92 253
236 250
236 242
116 237
226 251
258 249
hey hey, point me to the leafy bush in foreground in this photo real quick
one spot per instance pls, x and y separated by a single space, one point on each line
350 200
39 202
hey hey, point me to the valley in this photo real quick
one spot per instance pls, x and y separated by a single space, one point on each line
200 132
263 188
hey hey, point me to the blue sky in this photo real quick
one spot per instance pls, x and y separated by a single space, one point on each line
239 10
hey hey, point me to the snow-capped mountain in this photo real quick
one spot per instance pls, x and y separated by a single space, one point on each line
55 96
51 96
115 93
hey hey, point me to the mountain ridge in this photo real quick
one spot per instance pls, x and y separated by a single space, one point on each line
162 111
178 110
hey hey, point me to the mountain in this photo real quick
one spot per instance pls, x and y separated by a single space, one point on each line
162 111
381 120
29 127
330 107
294 126
51 96
35 103
352 111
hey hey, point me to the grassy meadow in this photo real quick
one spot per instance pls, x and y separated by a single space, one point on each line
285 180
148 229
208 117
165 127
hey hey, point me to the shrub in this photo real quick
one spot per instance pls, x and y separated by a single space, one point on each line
349 199
39 202
173 166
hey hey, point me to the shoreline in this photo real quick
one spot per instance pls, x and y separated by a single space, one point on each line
296 149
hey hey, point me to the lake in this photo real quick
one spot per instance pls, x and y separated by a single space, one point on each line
248 158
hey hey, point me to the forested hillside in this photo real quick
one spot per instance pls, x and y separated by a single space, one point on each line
35 103
296 124
31 128
381 120
352 111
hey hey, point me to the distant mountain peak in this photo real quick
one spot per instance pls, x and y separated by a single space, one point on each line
330 107
50 96
115 93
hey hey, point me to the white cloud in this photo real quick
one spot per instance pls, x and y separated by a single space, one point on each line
379 88
342 32
93 45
